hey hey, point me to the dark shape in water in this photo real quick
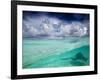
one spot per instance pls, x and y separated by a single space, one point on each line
78 63
79 60
79 56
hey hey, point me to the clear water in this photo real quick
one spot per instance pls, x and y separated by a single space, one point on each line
72 51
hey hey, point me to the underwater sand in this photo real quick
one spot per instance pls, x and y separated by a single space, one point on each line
72 51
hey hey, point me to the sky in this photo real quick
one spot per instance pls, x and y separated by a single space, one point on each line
54 25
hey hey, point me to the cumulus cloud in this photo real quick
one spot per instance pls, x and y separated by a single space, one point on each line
51 27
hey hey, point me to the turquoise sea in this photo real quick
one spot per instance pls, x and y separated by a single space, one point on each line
44 53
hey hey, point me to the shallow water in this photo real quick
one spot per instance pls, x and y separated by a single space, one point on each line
72 51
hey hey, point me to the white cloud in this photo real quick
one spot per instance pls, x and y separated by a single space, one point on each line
53 27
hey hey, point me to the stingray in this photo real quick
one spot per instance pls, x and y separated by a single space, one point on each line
78 56
77 60
78 63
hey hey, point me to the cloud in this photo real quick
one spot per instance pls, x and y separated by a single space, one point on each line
50 27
